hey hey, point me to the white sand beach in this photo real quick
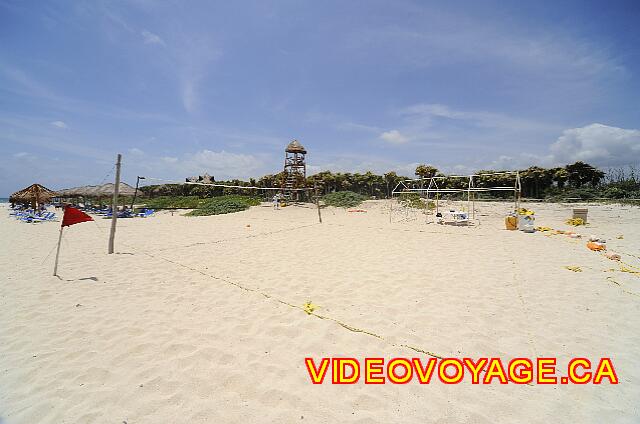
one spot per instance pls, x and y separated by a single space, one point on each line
193 319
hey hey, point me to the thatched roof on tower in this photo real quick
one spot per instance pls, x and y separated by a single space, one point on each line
34 193
295 147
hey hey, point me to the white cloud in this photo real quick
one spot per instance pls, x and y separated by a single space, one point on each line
394 137
428 115
189 96
151 38
354 126
24 84
599 145
518 161
59 124
222 165
502 43
194 60
169 159
339 123
433 109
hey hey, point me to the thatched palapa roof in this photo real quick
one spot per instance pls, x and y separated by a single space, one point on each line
35 193
104 190
295 147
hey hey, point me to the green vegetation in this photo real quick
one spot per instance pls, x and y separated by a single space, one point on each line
224 204
174 202
344 199
579 181
207 206
413 200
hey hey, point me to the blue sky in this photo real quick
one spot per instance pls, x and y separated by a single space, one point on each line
221 87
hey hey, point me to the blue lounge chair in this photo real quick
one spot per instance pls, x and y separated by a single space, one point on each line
146 213
47 216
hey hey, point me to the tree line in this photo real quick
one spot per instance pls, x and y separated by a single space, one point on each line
579 180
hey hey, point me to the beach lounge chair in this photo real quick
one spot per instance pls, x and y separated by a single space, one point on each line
29 217
123 214
454 218
47 216
146 213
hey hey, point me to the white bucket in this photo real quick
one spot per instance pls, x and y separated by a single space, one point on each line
527 223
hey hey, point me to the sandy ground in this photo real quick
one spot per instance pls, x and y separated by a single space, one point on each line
186 323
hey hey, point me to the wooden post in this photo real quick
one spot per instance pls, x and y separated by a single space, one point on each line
517 192
318 205
55 267
469 196
114 207
473 206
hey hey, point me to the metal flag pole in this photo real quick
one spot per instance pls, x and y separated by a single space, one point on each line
135 193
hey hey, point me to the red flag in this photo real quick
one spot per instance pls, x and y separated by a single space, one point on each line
74 216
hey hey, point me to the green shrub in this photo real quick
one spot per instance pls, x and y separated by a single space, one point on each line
175 202
618 192
344 199
412 200
224 204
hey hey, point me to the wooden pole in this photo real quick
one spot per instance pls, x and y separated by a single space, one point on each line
516 194
114 207
473 206
469 196
318 205
55 267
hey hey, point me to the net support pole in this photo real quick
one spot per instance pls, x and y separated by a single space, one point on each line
473 206
114 206
55 267
318 205
473 198
517 192
469 196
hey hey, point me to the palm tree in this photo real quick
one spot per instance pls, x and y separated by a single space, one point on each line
560 176
426 171
371 180
536 180
339 180
581 173
390 179
267 181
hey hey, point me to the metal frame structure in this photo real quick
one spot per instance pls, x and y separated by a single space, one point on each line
409 186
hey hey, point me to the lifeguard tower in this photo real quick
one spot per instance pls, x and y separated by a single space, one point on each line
295 171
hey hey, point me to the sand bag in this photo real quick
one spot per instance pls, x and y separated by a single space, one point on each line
511 222
612 256
596 246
